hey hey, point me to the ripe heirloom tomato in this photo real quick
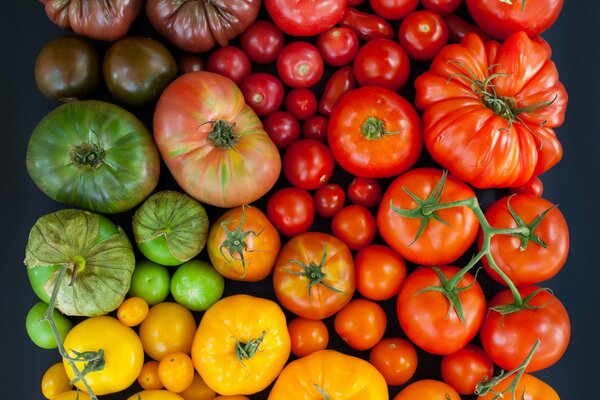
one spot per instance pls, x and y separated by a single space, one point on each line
302 103
338 46
283 128
55 381
441 7
423 34
396 359
176 371
300 65
307 336
306 17
308 164
148 377
355 226
382 62
133 311
329 200
394 9
427 389
263 92
314 275
528 388
361 324
379 272
291 210
464 369
315 128
364 192
262 41
231 62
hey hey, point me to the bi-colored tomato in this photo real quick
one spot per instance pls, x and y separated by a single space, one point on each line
382 62
355 226
427 389
396 359
423 34
379 272
307 336
464 369
305 17
361 324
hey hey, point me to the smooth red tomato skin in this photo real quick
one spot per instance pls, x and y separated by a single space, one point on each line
508 339
366 26
340 82
308 164
442 7
338 46
355 2
425 317
262 42
300 65
307 336
329 200
263 93
394 9
361 324
459 28
533 187
364 192
382 62
283 128
230 62
464 369
291 210
355 226
379 272
396 359
315 128
302 103
305 17
536 263
423 34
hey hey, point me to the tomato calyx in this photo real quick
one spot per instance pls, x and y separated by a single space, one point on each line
236 242
222 134
505 309
245 351
88 154
374 129
528 233
313 272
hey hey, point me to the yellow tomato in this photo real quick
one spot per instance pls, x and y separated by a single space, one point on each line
176 371
155 395
133 311
241 345
168 328
198 390
123 353
231 398
55 381
72 395
148 378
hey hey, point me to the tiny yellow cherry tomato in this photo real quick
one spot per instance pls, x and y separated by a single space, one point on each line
133 311
72 395
55 381
155 395
198 390
148 378
176 371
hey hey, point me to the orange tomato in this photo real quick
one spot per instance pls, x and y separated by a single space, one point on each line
396 359
361 324
176 371
528 388
427 389
148 378
307 336
55 381
380 272
198 390
133 311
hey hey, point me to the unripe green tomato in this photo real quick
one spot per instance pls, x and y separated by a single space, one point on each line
150 281
196 285
39 330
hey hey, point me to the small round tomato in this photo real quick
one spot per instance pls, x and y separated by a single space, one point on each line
382 62
176 371
355 226
533 187
76 395
379 272
394 9
361 324
155 395
133 311
263 93
307 336
168 328
308 164
196 285
55 381
231 62
150 281
338 46
283 128
39 330
291 210
262 41
198 390
315 128
464 369
300 65
302 103
396 359
329 199
364 192
423 34
305 17
148 377
188 62
441 7
427 389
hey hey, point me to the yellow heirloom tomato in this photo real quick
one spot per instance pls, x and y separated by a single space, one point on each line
123 354
241 345
155 395
72 395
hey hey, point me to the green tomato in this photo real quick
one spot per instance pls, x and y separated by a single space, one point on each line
39 330
196 285
150 281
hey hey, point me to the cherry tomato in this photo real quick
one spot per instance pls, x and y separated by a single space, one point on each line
423 34
305 17
283 128
329 199
300 65
459 28
291 210
427 389
308 164
379 272
55 381
441 7
394 9
302 103
382 62
396 359
262 42
263 92
464 369
198 390
315 128
307 336
148 377
364 192
176 371
366 26
190 63
340 82
133 311
355 226
533 187
361 324
231 62
338 46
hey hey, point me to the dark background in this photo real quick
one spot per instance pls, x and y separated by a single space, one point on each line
573 183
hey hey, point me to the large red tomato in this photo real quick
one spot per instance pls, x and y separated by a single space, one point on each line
490 110
212 142
305 17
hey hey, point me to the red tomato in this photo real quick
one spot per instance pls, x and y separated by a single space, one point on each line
355 2
262 42
382 62
524 259
509 338
459 28
305 17
394 9
291 210
300 65
315 128
364 192
533 187
379 272
427 389
263 92
283 128
427 317
190 63
374 133
308 164
366 26
441 7
302 103
340 82
355 226
230 62
338 46
464 369
396 359
329 199
361 324
501 19
307 336
423 34
439 243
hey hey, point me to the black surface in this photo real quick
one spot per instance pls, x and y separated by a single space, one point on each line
573 183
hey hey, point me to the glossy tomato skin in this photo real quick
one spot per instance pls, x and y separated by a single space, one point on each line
305 17
528 388
283 128
302 103
425 317
263 92
366 26
329 200
423 34
533 187
355 226
501 20
535 263
382 62
340 82
338 46
308 164
307 336
300 65
427 389
291 210
509 338
379 272
464 369
315 128
231 62
262 42
356 138
441 7
364 192
55 381
316 251
176 371
361 324
394 9
188 62
396 359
